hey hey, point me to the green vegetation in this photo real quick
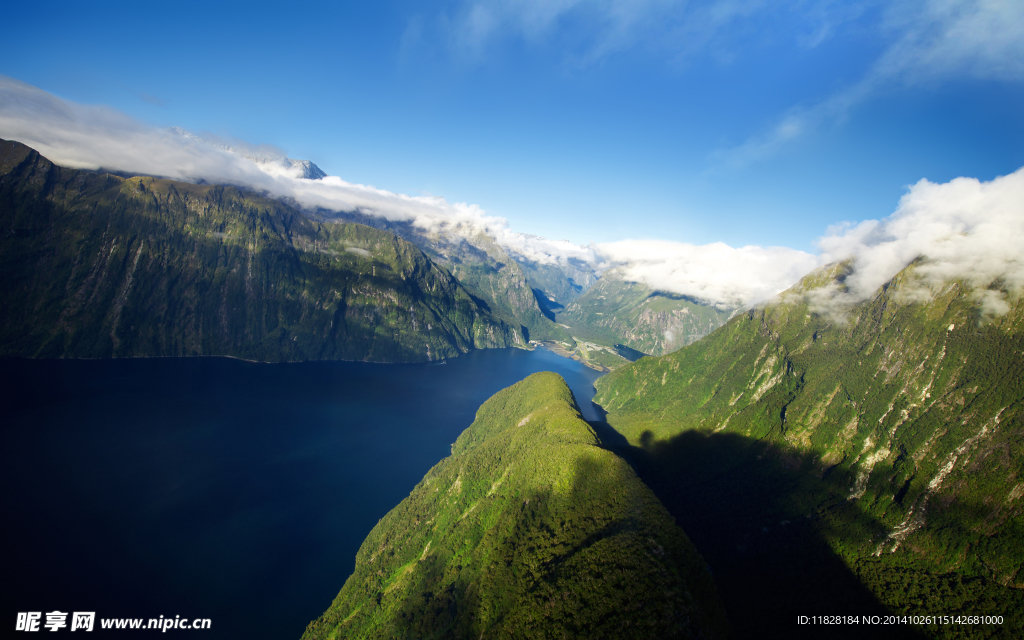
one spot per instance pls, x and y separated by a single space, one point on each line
599 355
846 462
502 287
496 281
616 311
529 529
593 355
95 266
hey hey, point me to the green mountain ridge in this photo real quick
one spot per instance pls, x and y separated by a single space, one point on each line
96 266
529 529
618 311
480 264
872 455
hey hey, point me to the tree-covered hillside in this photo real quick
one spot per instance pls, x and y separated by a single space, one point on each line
486 270
617 311
530 529
94 265
559 283
824 456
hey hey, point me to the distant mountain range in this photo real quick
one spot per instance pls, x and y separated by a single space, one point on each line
617 310
95 265
512 299
523 291
482 266
559 283
560 300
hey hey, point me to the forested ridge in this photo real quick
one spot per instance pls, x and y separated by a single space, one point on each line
530 529
95 265
867 458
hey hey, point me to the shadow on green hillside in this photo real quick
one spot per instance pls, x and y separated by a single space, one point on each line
595 562
548 307
761 515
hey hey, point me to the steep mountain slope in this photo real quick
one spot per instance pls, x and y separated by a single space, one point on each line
884 441
480 264
559 284
488 271
616 310
530 529
95 265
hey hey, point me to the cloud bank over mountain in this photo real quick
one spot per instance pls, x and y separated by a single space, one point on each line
714 272
90 137
964 228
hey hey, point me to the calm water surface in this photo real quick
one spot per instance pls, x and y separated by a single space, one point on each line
216 488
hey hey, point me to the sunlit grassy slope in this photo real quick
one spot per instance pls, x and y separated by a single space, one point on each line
818 459
94 265
530 529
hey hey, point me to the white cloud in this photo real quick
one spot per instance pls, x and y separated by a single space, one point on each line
91 137
588 30
931 41
963 229
954 38
716 272
543 250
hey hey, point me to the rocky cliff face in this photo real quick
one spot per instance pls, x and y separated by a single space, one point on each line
558 283
95 265
630 313
486 269
481 265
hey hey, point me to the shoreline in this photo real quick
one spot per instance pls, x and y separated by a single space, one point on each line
557 349
240 359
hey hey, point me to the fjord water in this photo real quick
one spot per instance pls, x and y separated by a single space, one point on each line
216 488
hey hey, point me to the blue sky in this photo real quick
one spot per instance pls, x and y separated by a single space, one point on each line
594 121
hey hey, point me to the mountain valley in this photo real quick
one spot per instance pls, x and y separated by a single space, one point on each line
616 310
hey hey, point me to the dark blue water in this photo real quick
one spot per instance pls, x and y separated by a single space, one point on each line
629 353
221 489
